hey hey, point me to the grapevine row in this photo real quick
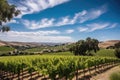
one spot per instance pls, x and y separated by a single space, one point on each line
56 67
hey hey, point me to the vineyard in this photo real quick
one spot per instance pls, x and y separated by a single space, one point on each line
52 67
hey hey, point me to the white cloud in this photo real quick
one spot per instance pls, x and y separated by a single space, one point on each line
64 21
33 6
35 25
113 25
69 31
79 17
39 36
16 33
92 14
82 29
96 26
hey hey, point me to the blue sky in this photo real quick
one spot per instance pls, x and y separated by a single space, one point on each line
64 20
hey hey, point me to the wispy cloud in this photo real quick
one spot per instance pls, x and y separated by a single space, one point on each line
83 29
16 33
69 31
64 21
91 14
96 26
79 17
113 25
39 36
36 25
33 6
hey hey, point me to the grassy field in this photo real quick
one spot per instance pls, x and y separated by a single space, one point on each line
105 53
115 76
5 49
102 53
34 49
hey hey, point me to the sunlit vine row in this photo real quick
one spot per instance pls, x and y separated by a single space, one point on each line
53 66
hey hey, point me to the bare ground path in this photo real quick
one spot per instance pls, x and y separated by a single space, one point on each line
105 75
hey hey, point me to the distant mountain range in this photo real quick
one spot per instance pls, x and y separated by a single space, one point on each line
31 44
5 43
103 44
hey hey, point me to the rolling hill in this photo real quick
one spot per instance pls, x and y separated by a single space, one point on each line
31 44
108 43
103 44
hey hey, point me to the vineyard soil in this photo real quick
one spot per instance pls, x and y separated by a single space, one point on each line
105 75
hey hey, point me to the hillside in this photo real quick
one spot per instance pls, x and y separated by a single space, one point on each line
3 43
103 44
31 44
108 43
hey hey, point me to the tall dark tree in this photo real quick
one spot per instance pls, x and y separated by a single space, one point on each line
95 45
7 12
117 49
117 45
84 47
90 45
79 48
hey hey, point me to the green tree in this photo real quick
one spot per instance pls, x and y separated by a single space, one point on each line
7 12
89 46
78 48
117 49
84 47
117 45
92 45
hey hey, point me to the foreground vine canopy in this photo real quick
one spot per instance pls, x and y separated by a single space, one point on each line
54 67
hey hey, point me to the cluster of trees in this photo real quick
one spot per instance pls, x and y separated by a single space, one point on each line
117 49
7 12
84 47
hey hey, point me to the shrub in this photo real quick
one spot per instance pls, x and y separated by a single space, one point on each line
115 76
